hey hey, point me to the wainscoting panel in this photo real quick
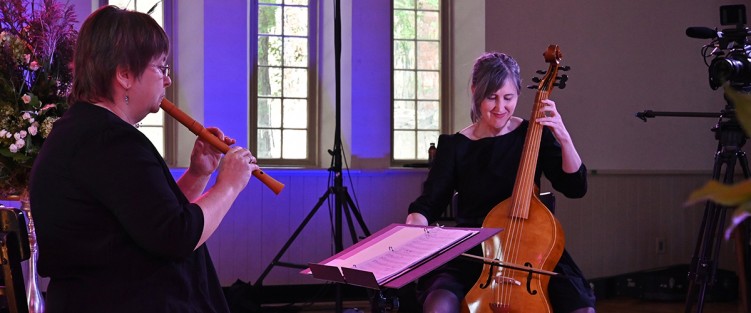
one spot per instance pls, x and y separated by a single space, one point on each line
616 227
260 223
613 230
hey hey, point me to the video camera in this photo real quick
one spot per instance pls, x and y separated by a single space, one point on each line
730 48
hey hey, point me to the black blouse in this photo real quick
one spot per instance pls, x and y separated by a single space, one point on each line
483 172
115 232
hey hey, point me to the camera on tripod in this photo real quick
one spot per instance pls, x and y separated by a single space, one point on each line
729 48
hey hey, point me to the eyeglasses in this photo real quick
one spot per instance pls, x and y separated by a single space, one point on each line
163 68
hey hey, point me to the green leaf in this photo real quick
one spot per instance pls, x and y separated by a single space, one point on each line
727 195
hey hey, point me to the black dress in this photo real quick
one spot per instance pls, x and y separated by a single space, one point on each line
115 233
483 172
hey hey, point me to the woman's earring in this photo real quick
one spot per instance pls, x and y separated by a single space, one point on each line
126 99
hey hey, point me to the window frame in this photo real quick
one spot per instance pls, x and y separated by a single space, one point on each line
312 98
446 81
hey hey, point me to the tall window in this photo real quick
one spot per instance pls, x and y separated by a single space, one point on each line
416 93
283 81
153 124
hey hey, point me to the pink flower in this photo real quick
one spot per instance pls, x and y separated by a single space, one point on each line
26 99
34 66
20 135
33 128
47 107
13 148
20 143
26 115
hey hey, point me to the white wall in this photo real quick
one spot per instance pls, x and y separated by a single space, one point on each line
626 56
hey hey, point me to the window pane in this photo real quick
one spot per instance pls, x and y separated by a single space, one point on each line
428 113
404 24
153 119
269 143
156 135
295 144
428 55
428 85
269 112
269 20
404 115
269 81
295 82
295 21
404 84
428 25
270 1
123 4
296 52
424 138
404 145
428 4
296 2
404 54
269 50
295 114
404 4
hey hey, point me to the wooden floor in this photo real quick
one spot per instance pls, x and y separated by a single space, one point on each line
618 305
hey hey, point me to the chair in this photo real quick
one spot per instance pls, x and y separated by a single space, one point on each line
547 198
14 248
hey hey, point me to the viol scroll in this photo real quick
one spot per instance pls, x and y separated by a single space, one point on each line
200 131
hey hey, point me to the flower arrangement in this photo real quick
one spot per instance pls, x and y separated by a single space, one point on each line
36 49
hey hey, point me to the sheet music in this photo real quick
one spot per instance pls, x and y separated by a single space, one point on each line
403 248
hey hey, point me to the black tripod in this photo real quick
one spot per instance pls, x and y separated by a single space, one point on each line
703 270
343 204
731 138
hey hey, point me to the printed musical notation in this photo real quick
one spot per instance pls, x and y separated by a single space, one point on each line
401 249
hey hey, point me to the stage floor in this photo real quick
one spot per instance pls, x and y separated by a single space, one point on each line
615 305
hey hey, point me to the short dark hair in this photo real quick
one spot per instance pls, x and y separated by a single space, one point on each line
112 37
489 73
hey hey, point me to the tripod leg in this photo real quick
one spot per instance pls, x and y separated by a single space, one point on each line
291 239
704 264
357 214
350 225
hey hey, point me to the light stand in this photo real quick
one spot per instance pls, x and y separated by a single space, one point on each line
344 206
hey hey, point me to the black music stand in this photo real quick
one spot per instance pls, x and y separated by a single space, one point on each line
363 278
